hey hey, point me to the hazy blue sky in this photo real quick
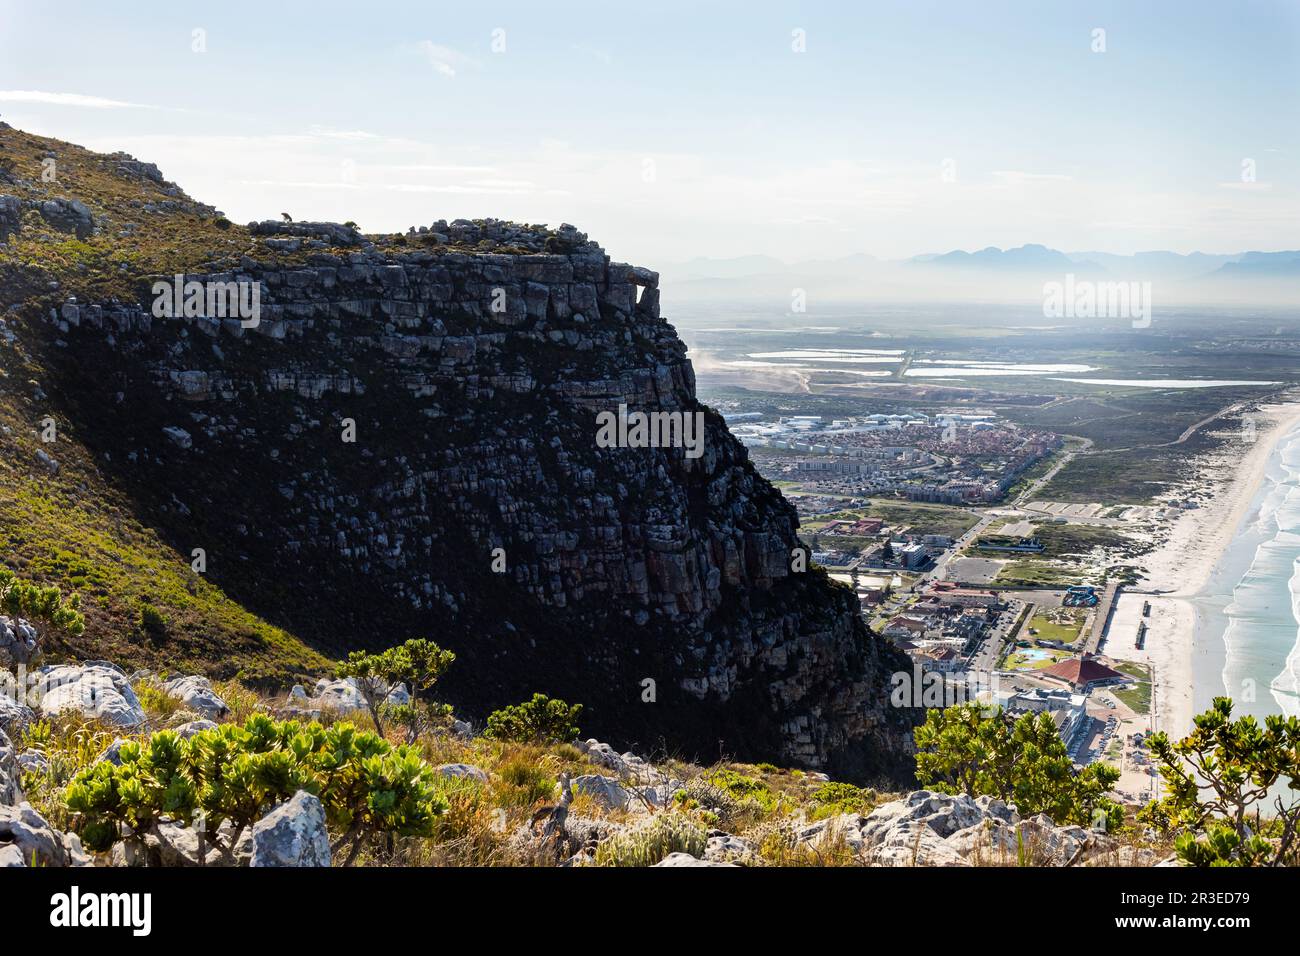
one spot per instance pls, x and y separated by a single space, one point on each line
669 130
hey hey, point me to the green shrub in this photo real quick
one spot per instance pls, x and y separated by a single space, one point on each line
1021 760
523 783
834 799
149 619
538 720
650 842
238 773
1219 780
19 598
744 789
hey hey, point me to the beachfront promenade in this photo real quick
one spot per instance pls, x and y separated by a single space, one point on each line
1101 620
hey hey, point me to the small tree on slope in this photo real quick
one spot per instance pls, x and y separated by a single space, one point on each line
1220 778
1021 760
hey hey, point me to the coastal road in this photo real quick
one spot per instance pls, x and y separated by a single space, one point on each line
1192 429
941 566
1067 456
987 517
905 364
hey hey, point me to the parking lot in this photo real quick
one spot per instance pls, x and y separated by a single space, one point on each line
973 570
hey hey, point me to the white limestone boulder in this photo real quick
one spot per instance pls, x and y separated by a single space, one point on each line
96 690
685 859
292 835
196 694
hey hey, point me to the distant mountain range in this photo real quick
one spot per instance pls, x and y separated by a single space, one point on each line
1016 274
1159 264
1031 258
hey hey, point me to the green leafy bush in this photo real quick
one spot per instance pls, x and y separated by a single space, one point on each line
21 598
1219 779
1221 845
238 773
539 719
744 789
149 619
1021 760
834 799
647 844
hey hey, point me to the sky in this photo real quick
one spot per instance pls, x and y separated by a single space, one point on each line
673 130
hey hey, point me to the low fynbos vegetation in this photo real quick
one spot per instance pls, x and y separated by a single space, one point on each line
448 798
649 842
236 774
422 789
522 783
20 598
539 719
833 799
154 699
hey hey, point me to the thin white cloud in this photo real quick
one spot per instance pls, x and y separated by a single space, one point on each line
458 189
444 59
465 189
435 168
288 184
502 183
69 99
329 132
1019 176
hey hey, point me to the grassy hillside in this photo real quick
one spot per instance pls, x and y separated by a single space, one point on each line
71 527
74 530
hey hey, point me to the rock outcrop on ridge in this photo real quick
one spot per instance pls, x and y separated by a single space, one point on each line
403 443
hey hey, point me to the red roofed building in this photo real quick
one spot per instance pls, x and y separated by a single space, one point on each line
904 627
941 659
948 592
1083 673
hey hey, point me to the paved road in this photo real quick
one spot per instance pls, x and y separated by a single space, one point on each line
989 516
1066 457
985 657
1190 430
901 372
941 566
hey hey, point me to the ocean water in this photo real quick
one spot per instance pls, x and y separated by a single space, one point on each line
1248 635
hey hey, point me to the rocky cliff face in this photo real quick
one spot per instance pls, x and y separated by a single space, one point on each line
404 444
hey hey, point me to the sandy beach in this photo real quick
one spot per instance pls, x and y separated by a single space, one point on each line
1179 569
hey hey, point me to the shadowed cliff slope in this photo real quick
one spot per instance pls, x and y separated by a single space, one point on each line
404 443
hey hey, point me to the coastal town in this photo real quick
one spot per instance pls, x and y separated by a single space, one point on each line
936 522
